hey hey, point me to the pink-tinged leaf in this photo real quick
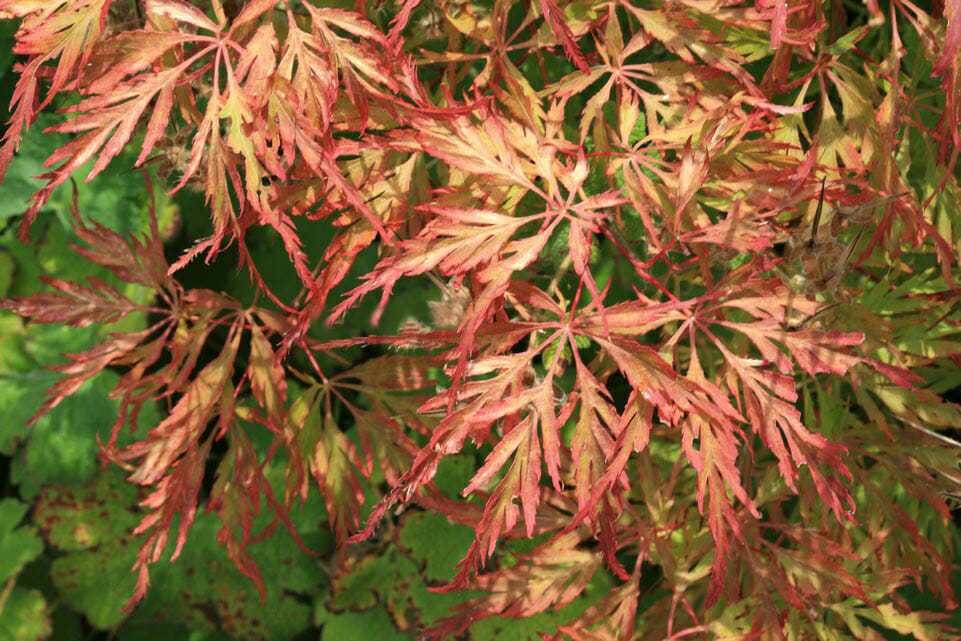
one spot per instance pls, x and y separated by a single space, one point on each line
349 21
897 375
658 383
717 473
496 148
523 444
550 428
456 240
778 23
612 617
255 70
448 437
761 334
267 380
592 444
778 422
681 37
734 231
157 124
535 297
695 164
25 96
333 464
110 120
180 11
637 318
382 438
222 178
632 438
952 40
75 305
70 31
332 460
252 10
180 431
555 18
364 70
235 496
815 351
400 21
551 576
131 260
396 372
784 110
580 247
175 495
500 512
127 54
88 364
595 105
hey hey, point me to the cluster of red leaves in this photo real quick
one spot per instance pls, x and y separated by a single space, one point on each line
299 110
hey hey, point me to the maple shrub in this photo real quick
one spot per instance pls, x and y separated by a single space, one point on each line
669 289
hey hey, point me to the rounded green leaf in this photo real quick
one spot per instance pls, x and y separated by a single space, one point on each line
25 616
18 545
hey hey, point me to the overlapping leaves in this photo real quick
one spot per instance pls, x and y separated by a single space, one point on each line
647 388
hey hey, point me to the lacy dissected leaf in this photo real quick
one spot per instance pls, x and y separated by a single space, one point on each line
490 401
130 260
555 18
109 119
552 576
615 202
615 613
236 497
323 450
65 32
173 455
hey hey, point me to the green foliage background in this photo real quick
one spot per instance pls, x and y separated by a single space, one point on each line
66 546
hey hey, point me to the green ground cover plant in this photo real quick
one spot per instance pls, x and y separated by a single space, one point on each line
546 319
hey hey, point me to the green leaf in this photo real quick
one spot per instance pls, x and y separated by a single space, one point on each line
98 582
7 267
18 545
433 539
453 474
92 524
202 589
19 183
83 517
384 575
115 198
361 626
436 605
848 40
164 631
63 444
19 398
25 616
